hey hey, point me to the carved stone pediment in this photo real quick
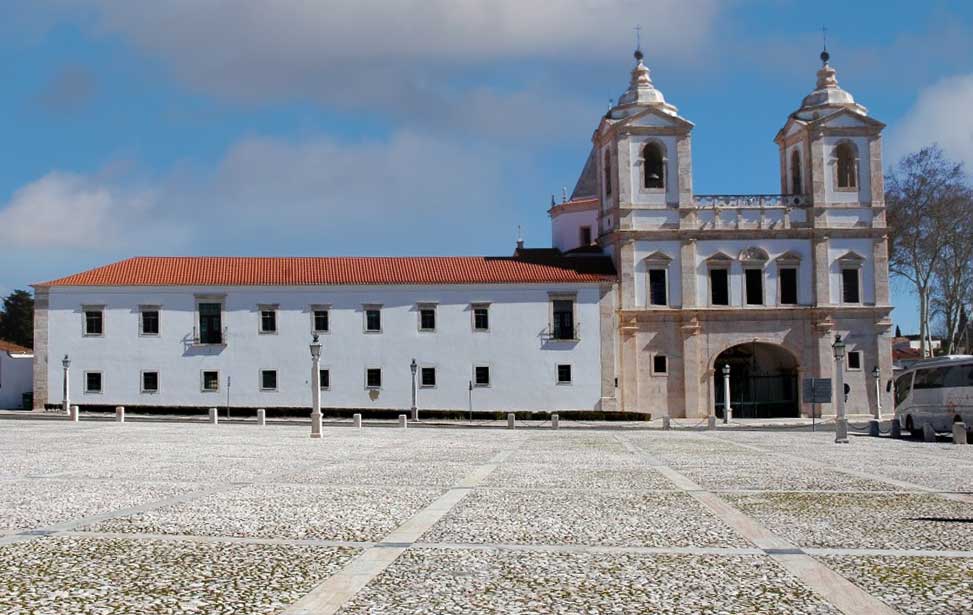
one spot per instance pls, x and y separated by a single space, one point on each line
754 254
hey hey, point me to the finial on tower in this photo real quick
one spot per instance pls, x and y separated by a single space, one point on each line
638 44
564 194
825 56
520 236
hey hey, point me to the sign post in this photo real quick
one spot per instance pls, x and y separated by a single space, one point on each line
816 391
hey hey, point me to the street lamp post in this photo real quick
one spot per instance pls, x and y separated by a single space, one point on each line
66 398
841 423
877 375
727 410
315 387
415 409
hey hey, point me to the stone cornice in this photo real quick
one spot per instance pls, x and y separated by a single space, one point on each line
748 234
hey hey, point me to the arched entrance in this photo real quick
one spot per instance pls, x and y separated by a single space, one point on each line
763 381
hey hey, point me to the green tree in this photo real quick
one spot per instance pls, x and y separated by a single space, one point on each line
17 318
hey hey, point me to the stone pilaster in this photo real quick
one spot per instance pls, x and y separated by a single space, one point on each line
883 353
880 257
687 273
821 268
41 305
626 273
684 151
693 376
825 367
817 183
875 170
608 331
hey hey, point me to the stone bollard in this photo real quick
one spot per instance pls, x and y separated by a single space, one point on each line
214 418
74 413
357 420
841 431
555 421
511 420
874 428
928 433
403 421
711 422
896 429
119 414
261 416
666 423
959 432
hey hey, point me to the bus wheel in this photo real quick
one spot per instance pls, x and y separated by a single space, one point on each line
896 429
915 434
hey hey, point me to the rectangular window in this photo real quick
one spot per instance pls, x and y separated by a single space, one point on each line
481 376
755 286
268 380
719 286
320 320
268 320
850 292
564 374
211 381
373 319
210 323
563 326
788 286
373 378
658 293
585 238
930 378
150 382
94 321
427 318
92 382
660 364
324 375
427 377
855 360
148 320
481 318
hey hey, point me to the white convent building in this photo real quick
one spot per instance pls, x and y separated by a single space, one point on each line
648 291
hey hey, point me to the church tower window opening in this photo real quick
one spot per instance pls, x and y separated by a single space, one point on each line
653 166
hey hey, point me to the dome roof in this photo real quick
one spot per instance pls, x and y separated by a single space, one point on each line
827 93
641 92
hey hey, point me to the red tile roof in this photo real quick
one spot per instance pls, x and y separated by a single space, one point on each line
304 271
6 346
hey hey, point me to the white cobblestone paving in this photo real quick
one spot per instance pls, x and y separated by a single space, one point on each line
179 518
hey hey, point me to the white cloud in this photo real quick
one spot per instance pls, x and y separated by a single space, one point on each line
940 115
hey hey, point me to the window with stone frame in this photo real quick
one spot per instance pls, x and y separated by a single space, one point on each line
660 364
719 286
373 319
846 166
481 317
753 278
427 317
210 381
564 373
150 382
854 361
324 375
658 286
94 321
148 320
268 380
268 319
653 166
481 375
320 319
92 382
851 285
373 378
427 377
787 278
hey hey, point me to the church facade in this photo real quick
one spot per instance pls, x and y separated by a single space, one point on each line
649 293
759 283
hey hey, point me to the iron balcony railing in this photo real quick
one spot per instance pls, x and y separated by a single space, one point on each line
751 200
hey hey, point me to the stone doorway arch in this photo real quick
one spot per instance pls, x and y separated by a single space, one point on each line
763 381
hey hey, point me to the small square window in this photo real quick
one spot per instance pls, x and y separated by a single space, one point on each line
268 320
268 380
427 377
150 382
94 321
660 364
373 378
564 374
854 360
92 382
481 376
211 381
149 321
321 318
481 318
373 320
427 318
325 376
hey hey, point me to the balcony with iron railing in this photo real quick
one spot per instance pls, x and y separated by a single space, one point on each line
749 211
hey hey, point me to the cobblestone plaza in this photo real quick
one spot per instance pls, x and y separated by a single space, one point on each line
181 518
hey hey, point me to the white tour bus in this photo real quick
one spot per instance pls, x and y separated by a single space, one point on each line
936 392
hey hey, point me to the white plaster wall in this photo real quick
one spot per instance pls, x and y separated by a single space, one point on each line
672 249
566 228
863 247
522 364
653 219
774 248
863 194
642 196
16 378
850 217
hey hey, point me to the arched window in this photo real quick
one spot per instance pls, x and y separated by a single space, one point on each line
846 167
653 166
608 173
796 187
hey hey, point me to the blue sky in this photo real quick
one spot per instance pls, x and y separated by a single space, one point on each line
404 127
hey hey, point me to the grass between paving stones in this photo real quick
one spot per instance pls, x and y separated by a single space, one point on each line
68 575
912 585
862 521
463 581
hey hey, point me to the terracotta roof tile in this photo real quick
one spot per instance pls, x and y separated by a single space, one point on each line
304 271
6 346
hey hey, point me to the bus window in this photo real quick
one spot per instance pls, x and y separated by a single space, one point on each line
902 387
959 376
930 378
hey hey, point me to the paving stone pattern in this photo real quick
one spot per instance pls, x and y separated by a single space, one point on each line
177 518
